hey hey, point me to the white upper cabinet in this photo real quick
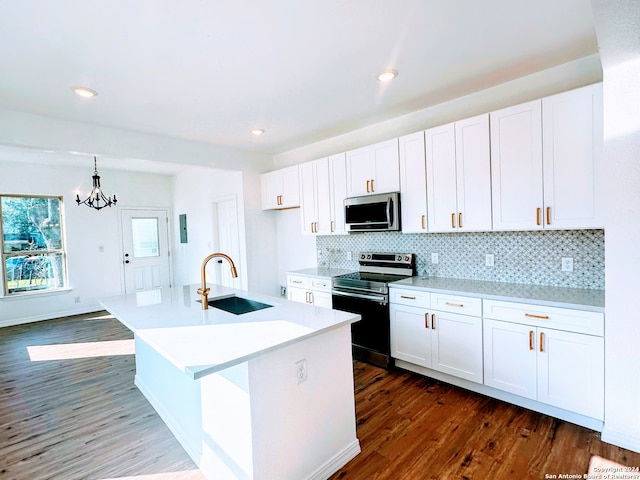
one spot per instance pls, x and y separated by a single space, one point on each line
338 191
373 169
413 183
546 161
322 194
280 188
572 139
459 176
516 167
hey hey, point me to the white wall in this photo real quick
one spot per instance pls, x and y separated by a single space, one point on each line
194 190
563 77
617 26
91 273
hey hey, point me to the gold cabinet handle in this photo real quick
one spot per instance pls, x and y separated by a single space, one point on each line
454 304
453 220
542 317
368 191
459 219
408 297
426 319
296 281
541 342
537 216
433 321
372 188
310 297
530 339
548 215
423 217
332 225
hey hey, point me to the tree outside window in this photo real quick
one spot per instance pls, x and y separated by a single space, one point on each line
33 252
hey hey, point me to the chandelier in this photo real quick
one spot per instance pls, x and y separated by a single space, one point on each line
96 198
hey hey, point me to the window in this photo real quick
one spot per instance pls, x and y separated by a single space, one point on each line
33 255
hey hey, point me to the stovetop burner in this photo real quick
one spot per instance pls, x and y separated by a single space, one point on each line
376 271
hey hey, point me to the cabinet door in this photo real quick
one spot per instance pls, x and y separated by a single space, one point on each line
360 171
322 299
413 183
571 371
516 167
300 295
510 357
473 174
572 157
271 187
441 178
410 334
338 185
290 187
308 213
386 163
323 196
456 345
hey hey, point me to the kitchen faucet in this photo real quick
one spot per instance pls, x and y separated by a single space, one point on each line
204 291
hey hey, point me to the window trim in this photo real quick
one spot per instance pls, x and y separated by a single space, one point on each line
61 251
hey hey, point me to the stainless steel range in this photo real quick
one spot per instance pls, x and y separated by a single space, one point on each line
366 292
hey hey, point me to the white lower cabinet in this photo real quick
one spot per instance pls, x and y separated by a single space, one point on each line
447 342
312 290
558 367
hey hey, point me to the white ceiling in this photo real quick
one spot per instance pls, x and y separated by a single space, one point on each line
303 70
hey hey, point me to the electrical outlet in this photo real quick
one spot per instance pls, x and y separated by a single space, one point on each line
319 253
567 264
349 256
434 258
283 290
76 299
301 370
489 259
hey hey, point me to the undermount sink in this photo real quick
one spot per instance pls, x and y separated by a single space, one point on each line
237 305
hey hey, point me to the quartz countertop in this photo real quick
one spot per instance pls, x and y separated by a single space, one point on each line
200 342
577 298
321 272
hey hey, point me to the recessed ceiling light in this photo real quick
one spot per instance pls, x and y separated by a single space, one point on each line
84 92
387 75
257 131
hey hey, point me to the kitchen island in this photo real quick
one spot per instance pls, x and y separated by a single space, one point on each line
260 395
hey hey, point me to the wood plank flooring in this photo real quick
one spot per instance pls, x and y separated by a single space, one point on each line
83 418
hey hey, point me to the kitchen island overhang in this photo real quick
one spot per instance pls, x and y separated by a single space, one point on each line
266 394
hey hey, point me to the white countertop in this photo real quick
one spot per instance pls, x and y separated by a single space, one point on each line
321 272
577 298
200 342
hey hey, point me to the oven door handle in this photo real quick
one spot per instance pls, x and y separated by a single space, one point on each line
374 298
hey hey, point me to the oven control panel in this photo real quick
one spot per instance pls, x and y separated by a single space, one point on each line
387 258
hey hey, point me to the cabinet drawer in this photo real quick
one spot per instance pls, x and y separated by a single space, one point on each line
321 284
579 321
456 304
298 281
416 298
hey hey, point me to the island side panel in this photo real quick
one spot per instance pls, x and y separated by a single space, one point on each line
304 430
173 394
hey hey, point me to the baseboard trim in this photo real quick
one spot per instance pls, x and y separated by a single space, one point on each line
620 439
336 463
49 316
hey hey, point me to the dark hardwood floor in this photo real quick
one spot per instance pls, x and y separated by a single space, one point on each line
83 418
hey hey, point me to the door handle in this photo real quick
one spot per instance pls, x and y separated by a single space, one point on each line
433 321
368 191
426 320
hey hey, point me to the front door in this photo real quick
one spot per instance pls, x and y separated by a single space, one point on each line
145 249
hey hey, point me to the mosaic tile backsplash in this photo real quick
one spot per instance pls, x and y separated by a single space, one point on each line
519 257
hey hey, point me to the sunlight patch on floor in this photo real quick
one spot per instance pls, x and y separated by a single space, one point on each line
182 475
67 351
599 466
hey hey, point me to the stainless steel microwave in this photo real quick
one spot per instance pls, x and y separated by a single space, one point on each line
373 213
